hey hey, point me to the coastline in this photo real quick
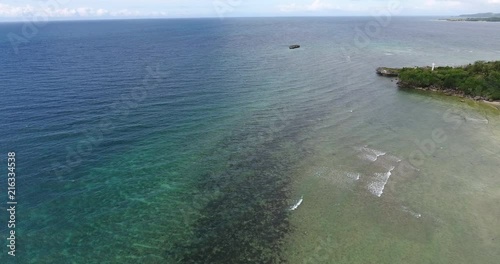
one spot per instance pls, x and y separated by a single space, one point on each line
449 92
435 81
470 20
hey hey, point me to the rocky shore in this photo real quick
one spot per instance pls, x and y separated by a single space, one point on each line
448 92
387 72
412 81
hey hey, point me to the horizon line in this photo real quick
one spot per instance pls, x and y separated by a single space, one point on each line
62 19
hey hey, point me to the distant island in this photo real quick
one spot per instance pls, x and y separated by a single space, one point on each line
487 17
481 15
479 81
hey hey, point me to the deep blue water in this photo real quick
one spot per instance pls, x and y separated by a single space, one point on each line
151 141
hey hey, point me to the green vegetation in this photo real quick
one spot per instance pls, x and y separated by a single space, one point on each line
481 15
481 79
488 17
470 19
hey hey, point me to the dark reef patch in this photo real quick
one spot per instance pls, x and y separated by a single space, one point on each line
246 218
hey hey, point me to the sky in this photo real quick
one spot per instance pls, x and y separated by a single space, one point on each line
23 10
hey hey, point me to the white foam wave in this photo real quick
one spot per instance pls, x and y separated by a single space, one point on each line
353 175
371 154
394 158
477 120
295 206
377 187
337 177
414 214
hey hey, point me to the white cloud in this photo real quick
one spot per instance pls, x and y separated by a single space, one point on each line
410 7
102 12
316 5
88 9
442 3
10 11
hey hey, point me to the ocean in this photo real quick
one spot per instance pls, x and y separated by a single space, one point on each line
210 141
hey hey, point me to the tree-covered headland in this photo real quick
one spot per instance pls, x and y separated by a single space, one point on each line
480 80
474 19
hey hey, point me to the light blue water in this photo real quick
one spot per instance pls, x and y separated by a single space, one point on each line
163 141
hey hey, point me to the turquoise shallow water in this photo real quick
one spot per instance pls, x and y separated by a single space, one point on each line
234 130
